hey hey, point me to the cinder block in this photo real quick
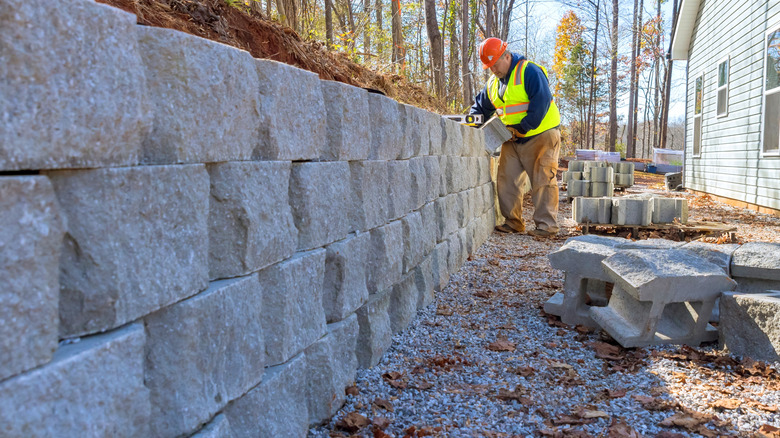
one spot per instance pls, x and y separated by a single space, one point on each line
413 233
95 387
276 407
576 166
202 353
387 136
673 180
344 289
385 258
750 325
289 130
240 216
565 177
661 297
293 316
624 167
587 165
219 427
348 122
399 190
433 178
666 210
601 174
577 188
624 180
369 194
410 129
32 230
403 303
418 184
73 90
495 134
375 335
632 211
576 176
592 210
319 195
757 260
452 137
599 189
331 364
182 72
136 241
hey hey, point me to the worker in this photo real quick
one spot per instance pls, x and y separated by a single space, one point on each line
518 92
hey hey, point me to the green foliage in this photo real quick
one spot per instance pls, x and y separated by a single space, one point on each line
620 147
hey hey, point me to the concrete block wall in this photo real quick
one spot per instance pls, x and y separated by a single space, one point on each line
187 250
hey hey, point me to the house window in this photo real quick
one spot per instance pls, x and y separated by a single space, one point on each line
723 88
771 126
697 115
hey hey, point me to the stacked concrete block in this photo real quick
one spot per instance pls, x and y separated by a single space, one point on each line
136 241
601 181
276 407
348 122
410 129
585 280
473 141
399 193
30 241
452 138
750 325
424 120
650 244
673 180
319 194
96 388
592 210
287 129
202 353
375 334
418 183
435 133
669 210
344 289
632 211
61 111
182 72
432 178
577 188
440 267
424 277
241 215
369 207
385 259
576 166
661 297
720 255
495 134
219 427
293 289
430 224
624 174
404 297
756 267
387 138
414 234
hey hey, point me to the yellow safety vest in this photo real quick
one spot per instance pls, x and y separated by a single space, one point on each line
514 105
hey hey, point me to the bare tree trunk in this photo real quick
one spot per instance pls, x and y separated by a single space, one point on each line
591 123
612 140
329 23
454 57
437 46
632 103
506 7
488 18
288 11
398 40
668 85
465 27
366 29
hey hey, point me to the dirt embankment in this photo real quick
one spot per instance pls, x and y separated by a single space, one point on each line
263 38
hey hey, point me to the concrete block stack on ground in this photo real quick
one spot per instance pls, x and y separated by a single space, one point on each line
756 267
750 324
595 179
175 274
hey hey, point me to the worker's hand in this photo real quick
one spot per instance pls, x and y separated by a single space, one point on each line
515 133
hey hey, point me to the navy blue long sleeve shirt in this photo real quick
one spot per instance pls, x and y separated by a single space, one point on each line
536 86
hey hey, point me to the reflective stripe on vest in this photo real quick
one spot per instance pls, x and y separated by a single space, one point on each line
513 108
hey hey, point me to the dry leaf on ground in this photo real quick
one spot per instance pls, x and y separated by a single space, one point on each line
383 404
501 344
768 431
352 422
726 403
620 429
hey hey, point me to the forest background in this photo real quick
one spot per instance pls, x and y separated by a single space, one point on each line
606 59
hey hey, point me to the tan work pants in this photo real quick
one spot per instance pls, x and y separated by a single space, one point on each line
536 159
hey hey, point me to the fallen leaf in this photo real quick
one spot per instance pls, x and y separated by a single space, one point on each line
588 413
524 371
352 422
768 431
444 311
620 429
423 385
383 404
726 403
572 420
581 329
483 294
418 370
667 434
763 407
379 433
395 379
556 364
607 351
617 393
519 394
381 422
352 390
501 344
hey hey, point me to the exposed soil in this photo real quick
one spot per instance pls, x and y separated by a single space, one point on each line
265 39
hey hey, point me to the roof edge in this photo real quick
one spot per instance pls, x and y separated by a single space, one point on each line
683 30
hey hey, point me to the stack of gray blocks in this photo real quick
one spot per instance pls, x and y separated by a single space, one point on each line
630 210
666 292
596 178
185 251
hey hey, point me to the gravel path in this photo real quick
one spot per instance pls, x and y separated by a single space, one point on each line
485 361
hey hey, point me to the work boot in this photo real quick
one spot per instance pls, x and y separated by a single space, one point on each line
506 228
541 233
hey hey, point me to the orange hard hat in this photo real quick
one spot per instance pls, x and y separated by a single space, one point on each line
490 50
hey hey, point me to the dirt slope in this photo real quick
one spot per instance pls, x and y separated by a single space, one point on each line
215 20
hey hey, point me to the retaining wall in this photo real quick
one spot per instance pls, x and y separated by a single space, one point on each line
193 241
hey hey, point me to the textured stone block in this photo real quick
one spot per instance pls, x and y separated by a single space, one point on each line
666 210
320 193
720 255
424 278
457 174
385 258
488 196
600 189
136 241
203 352
577 188
452 138
30 241
95 387
219 427
370 207
288 129
250 220
750 325
758 260
418 184
433 178
403 303
331 364
495 134
423 118
345 289
293 315
410 123
485 175
455 255
473 141
441 271
73 92
275 408
592 210
375 335
348 122
183 72
435 132
399 189
446 215
430 224
632 211
649 244
387 136
445 178
413 235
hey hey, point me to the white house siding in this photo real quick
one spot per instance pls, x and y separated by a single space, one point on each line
731 163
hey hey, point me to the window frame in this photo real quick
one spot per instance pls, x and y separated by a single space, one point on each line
699 116
762 149
719 87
